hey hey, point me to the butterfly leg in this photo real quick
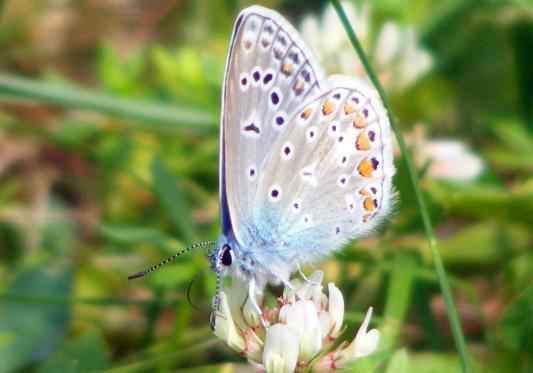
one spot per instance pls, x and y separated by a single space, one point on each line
282 279
253 302
288 285
306 279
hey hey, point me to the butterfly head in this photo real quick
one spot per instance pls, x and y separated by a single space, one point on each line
221 258
230 258
227 259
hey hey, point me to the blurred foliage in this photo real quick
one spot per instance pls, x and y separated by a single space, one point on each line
97 183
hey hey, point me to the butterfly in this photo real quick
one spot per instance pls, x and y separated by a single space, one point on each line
305 160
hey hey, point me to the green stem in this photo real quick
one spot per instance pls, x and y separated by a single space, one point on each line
44 299
152 363
432 242
159 116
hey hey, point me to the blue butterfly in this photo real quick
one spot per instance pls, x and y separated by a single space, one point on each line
305 161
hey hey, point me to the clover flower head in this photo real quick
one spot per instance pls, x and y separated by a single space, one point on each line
303 325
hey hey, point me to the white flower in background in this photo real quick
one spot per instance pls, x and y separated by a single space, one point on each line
447 159
303 325
395 55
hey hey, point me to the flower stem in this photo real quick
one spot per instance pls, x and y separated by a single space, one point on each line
150 364
432 242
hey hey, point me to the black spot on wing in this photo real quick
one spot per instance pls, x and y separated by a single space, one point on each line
252 127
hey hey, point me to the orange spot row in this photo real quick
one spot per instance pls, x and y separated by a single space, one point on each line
364 192
362 142
349 108
365 168
327 108
298 86
359 122
286 69
368 204
306 113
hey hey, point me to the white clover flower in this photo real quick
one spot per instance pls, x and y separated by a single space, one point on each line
396 56
335 309
302 316
281 349
449 159
365 342
226 328
303 325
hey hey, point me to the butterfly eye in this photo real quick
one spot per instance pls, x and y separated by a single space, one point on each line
226 255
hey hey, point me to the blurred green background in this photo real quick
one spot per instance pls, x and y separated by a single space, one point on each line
102 181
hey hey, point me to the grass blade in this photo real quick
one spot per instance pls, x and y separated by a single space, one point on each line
399 289
432 242
158 116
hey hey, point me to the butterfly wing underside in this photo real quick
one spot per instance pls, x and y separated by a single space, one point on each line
329 177
306 162
270 72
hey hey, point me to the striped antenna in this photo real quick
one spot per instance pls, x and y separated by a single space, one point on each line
216 299
169 259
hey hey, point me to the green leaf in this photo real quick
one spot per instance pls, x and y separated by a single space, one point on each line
398 363
514 135
398 299
505 205
173 199
516 328
75 134
118 76
368 364
434 363
85 353
517 149
29 333
479 245
176 274
134 234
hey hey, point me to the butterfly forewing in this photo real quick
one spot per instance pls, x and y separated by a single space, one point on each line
270 72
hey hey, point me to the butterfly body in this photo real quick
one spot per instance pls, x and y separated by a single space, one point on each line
306 161
258 263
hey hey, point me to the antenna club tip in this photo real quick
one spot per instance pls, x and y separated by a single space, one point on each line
136 275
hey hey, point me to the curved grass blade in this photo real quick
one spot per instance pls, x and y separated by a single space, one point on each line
432 242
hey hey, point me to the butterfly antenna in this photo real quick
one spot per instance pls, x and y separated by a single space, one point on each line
216 299
169 259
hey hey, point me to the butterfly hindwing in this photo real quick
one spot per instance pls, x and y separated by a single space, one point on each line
329 177
269 73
